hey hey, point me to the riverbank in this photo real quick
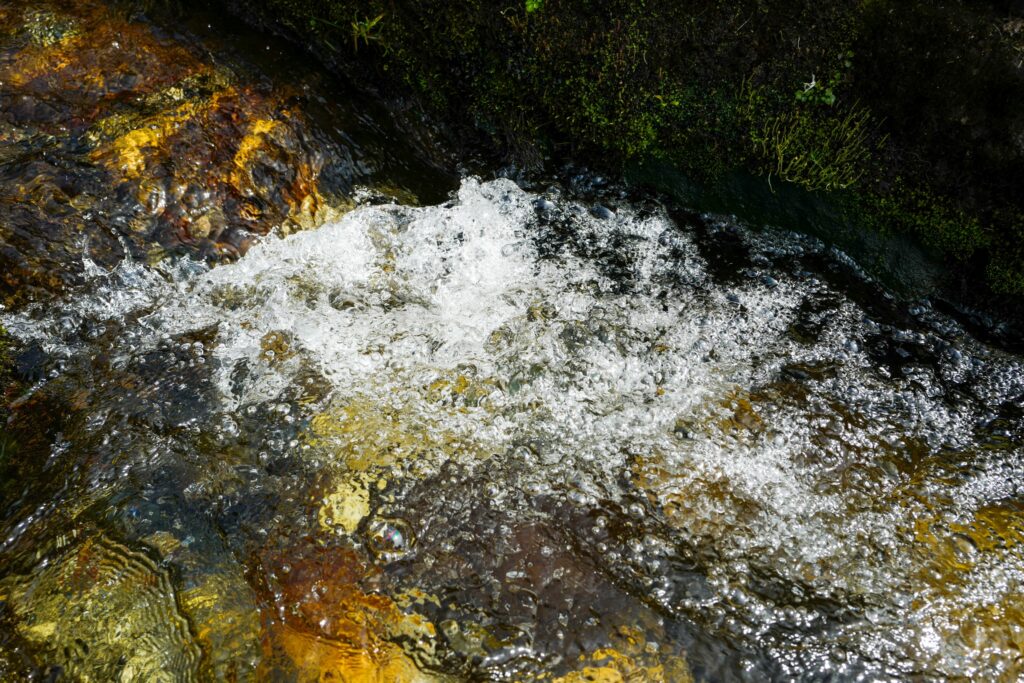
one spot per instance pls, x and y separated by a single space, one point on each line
900 115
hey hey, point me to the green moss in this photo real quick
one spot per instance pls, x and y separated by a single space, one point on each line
939 224
1006 269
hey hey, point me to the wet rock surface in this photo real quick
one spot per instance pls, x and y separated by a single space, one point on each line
123 138
101 611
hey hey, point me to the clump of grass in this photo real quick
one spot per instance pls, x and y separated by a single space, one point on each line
365 30
818 152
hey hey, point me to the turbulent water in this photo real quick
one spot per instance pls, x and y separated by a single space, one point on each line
652 445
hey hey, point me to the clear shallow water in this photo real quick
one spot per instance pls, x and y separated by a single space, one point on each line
512 437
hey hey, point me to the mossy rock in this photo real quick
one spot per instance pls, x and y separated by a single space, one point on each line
911 106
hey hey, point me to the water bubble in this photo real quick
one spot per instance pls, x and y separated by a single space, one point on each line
579 498
389 538
227 427
510 249
523 453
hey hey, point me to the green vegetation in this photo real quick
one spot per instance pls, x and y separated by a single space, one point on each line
364 30
4 350
818 147
907 106
1006 267
939 224
830 154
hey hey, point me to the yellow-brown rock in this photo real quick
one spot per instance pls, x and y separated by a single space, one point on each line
609 665
150 148
363 433
344 507
324 625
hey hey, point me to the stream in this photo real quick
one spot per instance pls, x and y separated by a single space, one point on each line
337 414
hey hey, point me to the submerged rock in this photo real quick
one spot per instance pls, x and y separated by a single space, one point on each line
104 612
602 454
611 666
119 140
345 507
325 624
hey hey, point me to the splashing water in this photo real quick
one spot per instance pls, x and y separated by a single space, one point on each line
558 425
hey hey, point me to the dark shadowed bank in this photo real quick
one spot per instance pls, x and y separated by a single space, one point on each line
905 120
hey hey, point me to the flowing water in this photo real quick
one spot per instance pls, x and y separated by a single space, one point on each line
519 435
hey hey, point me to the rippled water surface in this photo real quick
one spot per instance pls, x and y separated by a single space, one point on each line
548 435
